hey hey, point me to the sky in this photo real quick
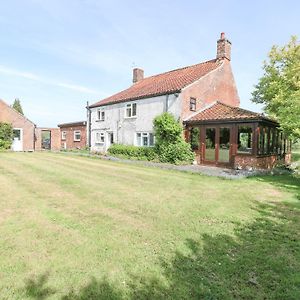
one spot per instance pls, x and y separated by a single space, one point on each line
55 55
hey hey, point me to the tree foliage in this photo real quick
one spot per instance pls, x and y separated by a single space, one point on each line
279 88
18 107
169 141
6 135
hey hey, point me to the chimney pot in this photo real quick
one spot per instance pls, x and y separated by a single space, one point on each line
223 47
138 75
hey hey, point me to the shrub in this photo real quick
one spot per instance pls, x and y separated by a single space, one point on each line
6 135
176 153
170 145
147 153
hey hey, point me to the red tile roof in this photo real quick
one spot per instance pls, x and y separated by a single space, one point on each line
162 84
222 111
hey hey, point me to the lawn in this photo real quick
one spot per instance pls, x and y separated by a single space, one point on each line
80 228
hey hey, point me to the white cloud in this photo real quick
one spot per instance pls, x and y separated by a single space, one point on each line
34 77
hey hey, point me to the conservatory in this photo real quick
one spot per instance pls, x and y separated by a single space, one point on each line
228 136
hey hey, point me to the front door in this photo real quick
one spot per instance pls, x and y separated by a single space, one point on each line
217 145
110 139
17 144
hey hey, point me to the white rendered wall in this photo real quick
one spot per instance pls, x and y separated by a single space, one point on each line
125 129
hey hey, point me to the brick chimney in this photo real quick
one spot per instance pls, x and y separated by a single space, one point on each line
223 48
138 74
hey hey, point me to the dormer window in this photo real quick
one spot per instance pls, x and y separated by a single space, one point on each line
193 104
101 114
130 110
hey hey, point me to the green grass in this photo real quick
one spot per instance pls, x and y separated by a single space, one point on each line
296 155
73 227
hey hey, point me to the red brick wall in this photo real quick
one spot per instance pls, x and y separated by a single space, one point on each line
246 161
217 85
9 115
55 138
70 143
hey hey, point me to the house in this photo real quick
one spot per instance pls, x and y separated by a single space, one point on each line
73 135
24 129
205 98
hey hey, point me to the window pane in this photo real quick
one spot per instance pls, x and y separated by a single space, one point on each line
17 134
138 139
102 115
224 145
102 137
266 140
134 109
244 139
193 104
210 144
151 139
128 112
145 140
195 138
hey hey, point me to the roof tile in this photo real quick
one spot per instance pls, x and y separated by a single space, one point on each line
222 111
161 84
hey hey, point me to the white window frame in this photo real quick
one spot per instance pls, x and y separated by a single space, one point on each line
100 114
144 135
129 108
100 137
63 135
74 135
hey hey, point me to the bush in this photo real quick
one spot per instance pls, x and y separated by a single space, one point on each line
127 151
177 153
170 145
6 135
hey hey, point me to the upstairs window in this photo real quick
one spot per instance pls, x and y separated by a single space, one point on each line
193 104
63 135
101 115
130 110
245 139
77 135
145 139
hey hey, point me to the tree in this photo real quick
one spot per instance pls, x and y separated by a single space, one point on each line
6 135
169 141
17 106
279 88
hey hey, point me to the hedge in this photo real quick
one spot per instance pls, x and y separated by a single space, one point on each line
133 151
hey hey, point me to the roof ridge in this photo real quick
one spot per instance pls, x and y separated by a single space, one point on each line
178 69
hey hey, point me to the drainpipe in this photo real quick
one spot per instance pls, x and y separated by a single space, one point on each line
89 123
34 137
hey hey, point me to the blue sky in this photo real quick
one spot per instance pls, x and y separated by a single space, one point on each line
55 55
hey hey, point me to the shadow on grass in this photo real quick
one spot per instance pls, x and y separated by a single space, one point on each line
261 261
37 289
288 182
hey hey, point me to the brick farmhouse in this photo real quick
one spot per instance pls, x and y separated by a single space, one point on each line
205 98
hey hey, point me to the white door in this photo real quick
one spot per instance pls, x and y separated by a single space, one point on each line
109 140
17 144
